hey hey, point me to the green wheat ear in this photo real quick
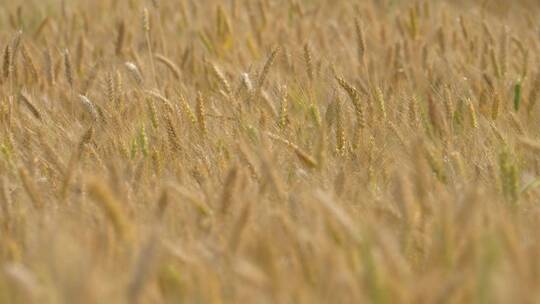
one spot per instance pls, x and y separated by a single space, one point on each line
517 95
143 141
509 176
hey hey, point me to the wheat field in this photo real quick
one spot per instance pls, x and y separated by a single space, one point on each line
269 151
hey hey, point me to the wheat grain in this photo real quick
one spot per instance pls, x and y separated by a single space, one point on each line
201 114
68 69
283 109
267 65
120 38
340 130
307 159
135 73
30 63
26 100
222 80
6 65
89 107
360 40
309 61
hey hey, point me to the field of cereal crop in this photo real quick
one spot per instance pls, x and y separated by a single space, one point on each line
269 151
